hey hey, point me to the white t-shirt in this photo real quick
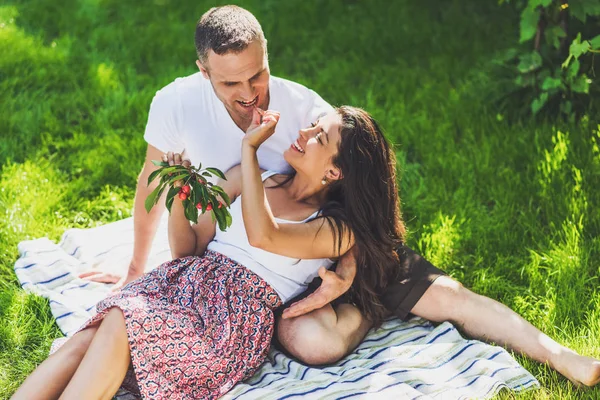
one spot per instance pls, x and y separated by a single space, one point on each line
288 276
186 114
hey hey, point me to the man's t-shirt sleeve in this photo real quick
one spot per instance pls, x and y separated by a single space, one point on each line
317 108
162 129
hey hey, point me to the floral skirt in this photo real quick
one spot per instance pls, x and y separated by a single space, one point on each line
196 326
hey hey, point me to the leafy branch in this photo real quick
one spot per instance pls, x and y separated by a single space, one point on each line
193 188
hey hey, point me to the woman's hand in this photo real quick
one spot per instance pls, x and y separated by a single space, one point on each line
262 127
176 159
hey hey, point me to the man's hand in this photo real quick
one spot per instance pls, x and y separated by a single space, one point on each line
333 286
107 277
130 277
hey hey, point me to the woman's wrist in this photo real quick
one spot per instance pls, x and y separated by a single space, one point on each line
247 144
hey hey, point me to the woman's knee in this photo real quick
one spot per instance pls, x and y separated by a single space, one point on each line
312 338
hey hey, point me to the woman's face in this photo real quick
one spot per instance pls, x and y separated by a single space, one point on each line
311 154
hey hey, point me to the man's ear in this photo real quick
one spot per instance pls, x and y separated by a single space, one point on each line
202 69
333 174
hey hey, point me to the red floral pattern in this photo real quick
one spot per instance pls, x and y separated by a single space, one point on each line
196 326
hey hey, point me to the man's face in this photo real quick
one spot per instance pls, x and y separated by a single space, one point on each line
240 81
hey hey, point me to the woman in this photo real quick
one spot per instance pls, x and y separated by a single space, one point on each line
199 324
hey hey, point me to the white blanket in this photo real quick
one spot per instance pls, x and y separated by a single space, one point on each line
408 360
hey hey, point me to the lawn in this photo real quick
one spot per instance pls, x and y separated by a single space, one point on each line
507 206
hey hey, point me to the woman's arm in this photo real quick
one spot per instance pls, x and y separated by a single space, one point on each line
187 239
314 239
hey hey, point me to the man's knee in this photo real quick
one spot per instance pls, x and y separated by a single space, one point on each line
312 338
445 300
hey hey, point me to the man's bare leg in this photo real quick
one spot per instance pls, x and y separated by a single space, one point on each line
103 368
51 377
445 300
323 336
486 319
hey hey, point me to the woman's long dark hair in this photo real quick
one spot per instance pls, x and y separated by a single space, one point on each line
366 201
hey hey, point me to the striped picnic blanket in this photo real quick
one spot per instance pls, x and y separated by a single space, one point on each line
400 360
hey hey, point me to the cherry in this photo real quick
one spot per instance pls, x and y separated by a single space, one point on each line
208 207
183 195
199 206
186 189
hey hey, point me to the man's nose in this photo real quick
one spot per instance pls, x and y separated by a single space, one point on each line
248 91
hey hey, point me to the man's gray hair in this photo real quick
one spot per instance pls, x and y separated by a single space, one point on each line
227 28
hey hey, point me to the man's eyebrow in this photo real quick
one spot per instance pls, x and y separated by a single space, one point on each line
258 73
253 77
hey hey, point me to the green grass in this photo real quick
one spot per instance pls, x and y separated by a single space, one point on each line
506 206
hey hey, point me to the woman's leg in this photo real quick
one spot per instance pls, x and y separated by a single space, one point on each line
483 318
103 367
50 378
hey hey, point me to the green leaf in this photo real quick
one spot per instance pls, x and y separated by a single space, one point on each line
595 42
529 23
535 3
228 218
160 163
190 211
577 48
529 62
179 177
577 10
217 172
581 84
573 70
153 197
551 83
173 191
221 219
538 103
153 176
222 193
553 35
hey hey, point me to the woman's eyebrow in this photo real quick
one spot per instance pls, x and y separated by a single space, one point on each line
326 134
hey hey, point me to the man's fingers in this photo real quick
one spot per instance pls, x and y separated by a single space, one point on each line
102 278
323 273
312 302
89 273
186 163
177 158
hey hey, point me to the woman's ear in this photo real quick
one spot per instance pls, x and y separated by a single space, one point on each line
333 174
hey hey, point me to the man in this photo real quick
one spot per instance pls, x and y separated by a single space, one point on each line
206 114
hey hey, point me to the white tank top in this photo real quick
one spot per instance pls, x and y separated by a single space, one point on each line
288 276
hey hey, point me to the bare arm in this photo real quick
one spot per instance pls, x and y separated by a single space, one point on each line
314 239
145 224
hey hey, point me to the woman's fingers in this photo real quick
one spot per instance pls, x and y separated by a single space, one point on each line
176 159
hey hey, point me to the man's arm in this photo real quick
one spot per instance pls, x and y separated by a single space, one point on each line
144 226
333 286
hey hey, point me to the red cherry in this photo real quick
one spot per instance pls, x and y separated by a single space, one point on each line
199 206
202 180
220 205
182 195
208 207
186 189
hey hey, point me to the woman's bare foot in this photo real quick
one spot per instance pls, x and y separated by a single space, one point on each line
578 369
